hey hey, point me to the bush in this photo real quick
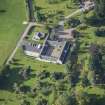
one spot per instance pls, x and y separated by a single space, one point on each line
82 26
73 22
43 75
58 75
100 31
25 89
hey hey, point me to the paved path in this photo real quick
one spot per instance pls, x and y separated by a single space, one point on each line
20 41
74 13
79 10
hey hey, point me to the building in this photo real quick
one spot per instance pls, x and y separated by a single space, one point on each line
32 50
54 51
51 51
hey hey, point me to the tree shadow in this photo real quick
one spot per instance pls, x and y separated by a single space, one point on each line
15 60
3 11
95 22
17 64
96 99
38 8
10 76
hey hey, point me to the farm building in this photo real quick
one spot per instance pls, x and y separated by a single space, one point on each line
54 51
51 51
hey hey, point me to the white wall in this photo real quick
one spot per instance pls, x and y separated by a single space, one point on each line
33 54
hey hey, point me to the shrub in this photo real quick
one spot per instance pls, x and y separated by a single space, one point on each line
100 31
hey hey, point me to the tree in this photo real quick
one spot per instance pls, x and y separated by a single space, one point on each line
82 98
16 88
83 19
100 8
41 101
91 77
96 57
4 74
52 97
25 73
24 102
64 99
30 8
100 31
84 79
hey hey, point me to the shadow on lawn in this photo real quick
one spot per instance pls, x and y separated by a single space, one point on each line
2 11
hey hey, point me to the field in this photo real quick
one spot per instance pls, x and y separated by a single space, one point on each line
12 15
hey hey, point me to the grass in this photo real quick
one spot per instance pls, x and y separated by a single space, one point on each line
12 15
96 90
8 98
47 8
54 12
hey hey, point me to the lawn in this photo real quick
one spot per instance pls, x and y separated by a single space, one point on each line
12 15
9 98
55 11
55 8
